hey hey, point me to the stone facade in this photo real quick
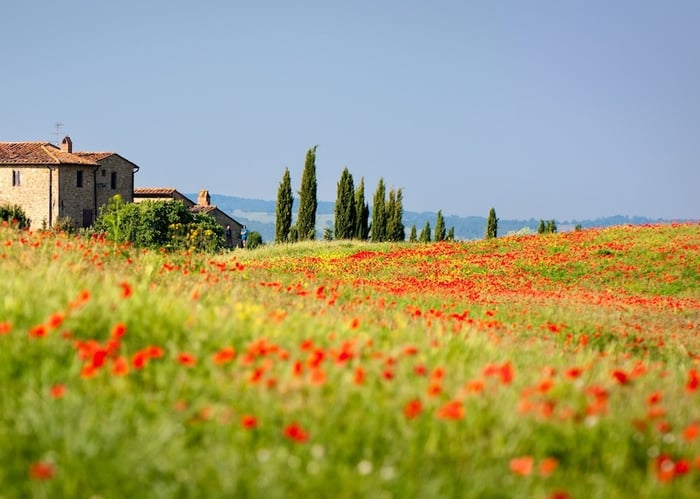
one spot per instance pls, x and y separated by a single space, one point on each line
28 187
54 184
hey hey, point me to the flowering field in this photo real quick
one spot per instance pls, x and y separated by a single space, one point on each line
547 366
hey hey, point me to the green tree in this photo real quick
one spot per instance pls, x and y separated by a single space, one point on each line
379 221
255 239
306 218
345 217
413 235
440 232
361 212
492 225
393 209
285 203
548 227
451 234
425 233
328 233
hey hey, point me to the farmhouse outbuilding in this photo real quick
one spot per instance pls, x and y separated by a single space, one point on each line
203 205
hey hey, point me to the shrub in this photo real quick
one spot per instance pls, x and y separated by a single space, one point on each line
14 215
159 224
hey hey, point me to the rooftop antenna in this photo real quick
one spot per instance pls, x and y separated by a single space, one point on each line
57 133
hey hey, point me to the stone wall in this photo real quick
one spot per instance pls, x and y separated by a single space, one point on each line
121 171
76 202
32 194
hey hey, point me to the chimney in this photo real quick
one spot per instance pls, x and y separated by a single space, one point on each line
67 144
203 199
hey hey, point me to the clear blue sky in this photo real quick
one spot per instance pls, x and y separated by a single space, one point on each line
566 109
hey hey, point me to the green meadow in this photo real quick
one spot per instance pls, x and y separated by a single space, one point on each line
545 366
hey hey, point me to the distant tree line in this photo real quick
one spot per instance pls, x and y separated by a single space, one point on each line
351 212
351 215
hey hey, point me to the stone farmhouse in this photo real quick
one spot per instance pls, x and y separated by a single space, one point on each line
53 183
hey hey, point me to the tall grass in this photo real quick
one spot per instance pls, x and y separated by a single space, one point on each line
543 366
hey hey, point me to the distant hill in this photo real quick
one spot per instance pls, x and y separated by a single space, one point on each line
259 216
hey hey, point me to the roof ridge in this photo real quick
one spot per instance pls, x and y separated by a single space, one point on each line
49 152
43 142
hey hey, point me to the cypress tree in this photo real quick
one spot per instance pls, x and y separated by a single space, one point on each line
379 213
306 218
345 219
425 233
395 229
540 227
451 234
361 212
440 232
492 225
285 202
413 236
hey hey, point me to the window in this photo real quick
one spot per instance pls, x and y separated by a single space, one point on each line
16 178
79 179
113 180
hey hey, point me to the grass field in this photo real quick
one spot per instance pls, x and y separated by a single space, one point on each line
546 366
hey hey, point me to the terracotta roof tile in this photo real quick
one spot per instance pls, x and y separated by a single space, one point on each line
154 191
38 153
94 156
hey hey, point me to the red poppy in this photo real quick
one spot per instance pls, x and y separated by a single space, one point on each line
154 352
413 409
120 367
5 327
248 421
654 398
453 410
434 389
548 465
55 320
89 371
187 359
139 359
38 331
691 432
224 355
118 330
317 376
410 350
620 376
522 465
420 370
693 380
474 386
359 376
126 289
295 432
57 391
41 470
